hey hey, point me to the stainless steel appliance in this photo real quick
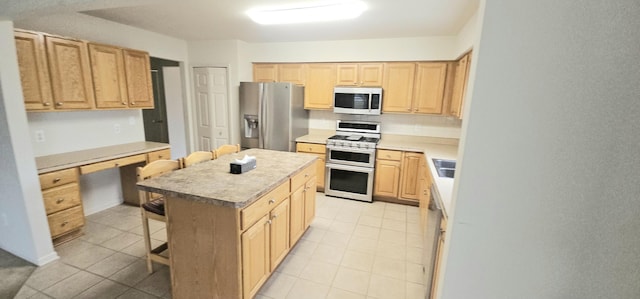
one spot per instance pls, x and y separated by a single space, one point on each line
357 100
350 161
272 115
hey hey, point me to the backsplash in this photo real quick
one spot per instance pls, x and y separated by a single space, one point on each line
400 124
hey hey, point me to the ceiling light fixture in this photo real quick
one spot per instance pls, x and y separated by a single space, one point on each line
307 13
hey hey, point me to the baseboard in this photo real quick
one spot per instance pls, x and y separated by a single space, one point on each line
103 207
43 260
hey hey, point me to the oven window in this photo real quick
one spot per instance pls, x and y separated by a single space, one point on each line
348 181
351 100
349 156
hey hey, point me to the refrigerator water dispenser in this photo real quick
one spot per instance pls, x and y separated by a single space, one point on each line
250 126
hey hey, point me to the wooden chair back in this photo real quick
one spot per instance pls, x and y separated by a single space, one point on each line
227 149
196 157
154 169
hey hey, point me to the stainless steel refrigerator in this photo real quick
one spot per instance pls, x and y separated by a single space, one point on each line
272 115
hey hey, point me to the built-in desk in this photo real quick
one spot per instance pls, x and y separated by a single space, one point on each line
60 183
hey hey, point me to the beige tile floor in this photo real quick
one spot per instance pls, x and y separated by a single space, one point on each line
351 250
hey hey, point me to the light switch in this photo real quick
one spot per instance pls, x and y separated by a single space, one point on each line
117 129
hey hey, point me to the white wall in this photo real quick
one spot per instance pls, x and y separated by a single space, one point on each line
468 35
24 230
547 190
176 114
70 131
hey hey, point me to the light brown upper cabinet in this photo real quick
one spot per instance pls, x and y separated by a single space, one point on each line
138 72
70 73
398 86
320 81
265 72
460 85
34 71
109 80
359 74
428 91
291 72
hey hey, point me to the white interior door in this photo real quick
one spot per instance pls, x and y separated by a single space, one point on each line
212 107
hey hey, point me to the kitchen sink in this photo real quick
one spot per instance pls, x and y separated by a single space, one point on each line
445 168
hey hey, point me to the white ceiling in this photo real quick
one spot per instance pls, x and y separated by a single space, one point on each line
226 19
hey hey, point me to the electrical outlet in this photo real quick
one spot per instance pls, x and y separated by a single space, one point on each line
39 135
117 129
132 120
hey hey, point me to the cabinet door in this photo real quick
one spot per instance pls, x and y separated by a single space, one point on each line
429 87
387 178
265 73
138 74
109 81
425 191
255 257
70 73
318 89
438 258
309 201
34 72
293 73
279 233
398 87
347 74
297 215
320 171
370 74
459 86
409 183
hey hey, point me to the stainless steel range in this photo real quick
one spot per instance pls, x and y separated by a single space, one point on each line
351 157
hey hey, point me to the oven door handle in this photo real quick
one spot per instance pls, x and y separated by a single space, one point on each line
352 149
349 168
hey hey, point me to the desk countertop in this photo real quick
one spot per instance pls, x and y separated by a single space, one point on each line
78 158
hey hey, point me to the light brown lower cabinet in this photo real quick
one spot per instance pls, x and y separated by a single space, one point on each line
320 151
63 204
437 268
256 256
397 176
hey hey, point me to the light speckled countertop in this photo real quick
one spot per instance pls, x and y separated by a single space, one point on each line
211 182
78 158
432 147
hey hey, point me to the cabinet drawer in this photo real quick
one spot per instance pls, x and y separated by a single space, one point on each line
58 178
113 163
63 197
301 177
262 206
66 221
159 155
389 155
311 148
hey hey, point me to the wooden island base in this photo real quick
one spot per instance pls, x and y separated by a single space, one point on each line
227 233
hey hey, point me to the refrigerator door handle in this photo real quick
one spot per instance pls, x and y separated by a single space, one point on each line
263 116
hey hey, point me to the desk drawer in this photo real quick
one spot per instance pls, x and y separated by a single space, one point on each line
262 206
66 221
58 178
389 155
311 148
58 199
159 155
303 176
113 163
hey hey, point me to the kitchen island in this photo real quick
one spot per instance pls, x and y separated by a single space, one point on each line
228 232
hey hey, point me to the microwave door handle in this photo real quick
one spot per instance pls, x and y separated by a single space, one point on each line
370 99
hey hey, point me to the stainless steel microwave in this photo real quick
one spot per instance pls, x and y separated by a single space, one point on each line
357 100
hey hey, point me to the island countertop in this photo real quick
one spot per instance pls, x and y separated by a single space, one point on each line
211 182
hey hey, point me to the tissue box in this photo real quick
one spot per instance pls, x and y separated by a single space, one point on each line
238 168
